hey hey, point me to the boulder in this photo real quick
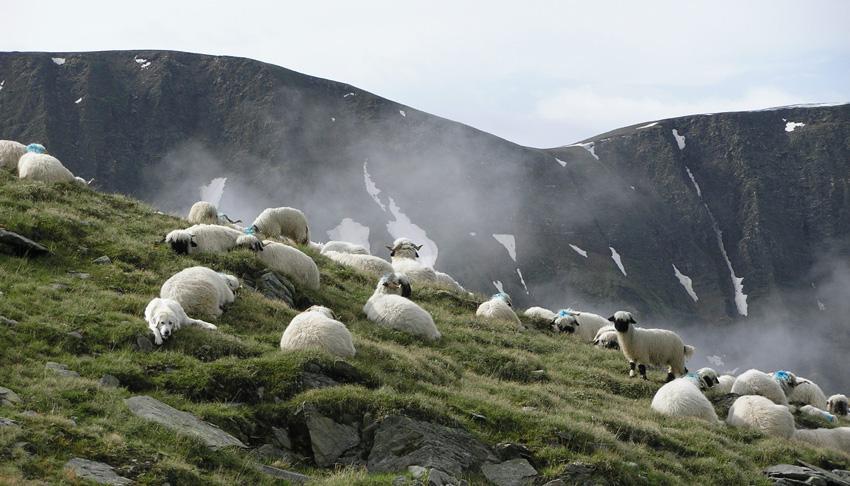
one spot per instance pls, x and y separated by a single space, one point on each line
97 472
181 422
61 370
109 381
8 397
516 472
289 476
104 260
21 245
329 440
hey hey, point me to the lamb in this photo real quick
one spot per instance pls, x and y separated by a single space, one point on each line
499 307
837 405
539 314
200 290
387 308
365 263
760 413
807 393
344 247
585 324
318 328
682 398
10 153
291 262
210 238
36 165
164 316
282 222
650 347
837 439
755 382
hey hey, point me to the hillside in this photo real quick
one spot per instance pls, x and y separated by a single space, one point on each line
566 402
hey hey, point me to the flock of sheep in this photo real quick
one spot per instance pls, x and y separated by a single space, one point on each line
765 401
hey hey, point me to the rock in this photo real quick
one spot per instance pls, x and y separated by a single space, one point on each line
556 482
269 451
144 344
329 439
8 397
61 370
281 437
8 322
292 477
109 381
97 472
316 380
580 473
104 260
277 287
400 442
21 245
516 472
184 423
507 451
440 478
58 286
79 275
7 422
75 335
787 474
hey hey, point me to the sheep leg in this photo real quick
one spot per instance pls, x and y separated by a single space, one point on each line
642 371
631 369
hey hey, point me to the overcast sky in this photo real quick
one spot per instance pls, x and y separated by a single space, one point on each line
538 73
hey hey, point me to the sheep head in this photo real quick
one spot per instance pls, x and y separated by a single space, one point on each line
622 320
837 405
565 323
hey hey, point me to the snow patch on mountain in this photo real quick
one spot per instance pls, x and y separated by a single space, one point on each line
578 250
791 126
686 282
352 232
509 242
680 139
694 181
589 146
648 125
371 188
58 60
563 164
619 261
213 191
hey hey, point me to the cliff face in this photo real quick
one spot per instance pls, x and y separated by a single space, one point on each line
767 204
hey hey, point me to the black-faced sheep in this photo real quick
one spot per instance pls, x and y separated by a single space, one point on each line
210 238
500 308
683 398
10 153
387 308
658 347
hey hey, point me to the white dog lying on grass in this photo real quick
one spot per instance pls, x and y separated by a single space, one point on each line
164 316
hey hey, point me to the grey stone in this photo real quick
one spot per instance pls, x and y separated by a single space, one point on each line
292 477
507 451
75 335
789 471
97 472
276 286
61 370
144 344
281 437
104 260
516 472
400 442
7 422
417 471
58 286
109 381
329 439
79 275
184 423
21 245
316 380
8 322
8 397
440 478
269 451
556 482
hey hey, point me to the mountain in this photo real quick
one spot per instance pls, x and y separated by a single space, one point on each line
761 196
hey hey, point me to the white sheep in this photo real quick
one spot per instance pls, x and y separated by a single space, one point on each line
837 405
656 347
203 212
499 308
164 316
365 263
405 259
706 379
344 247
283 222
318 328
683 398
317 247
36 165
815 412
200 290
292 262
540 314
807 392
210 238
606 337
10 153
724 385
758 412
386 308
755 382
585 325
837 439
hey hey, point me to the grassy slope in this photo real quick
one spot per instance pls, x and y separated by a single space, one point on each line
585 406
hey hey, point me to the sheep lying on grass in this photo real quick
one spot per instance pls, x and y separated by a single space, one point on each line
210 238
540 315
365 263
724 385
344 247
389 309
10 153
499 308
317 328
808 393
405 259
606 337
585 325
657 347
755 382
36 165
837 405
683 398
200 290
203 212
837 439
164 316
283 222
758 412
291 262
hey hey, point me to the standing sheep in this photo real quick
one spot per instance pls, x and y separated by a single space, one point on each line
36 165
365 263
389 309
318 328
758 412
164 316
755 382
656 347
210 238
808 393
200 290
499 307
586 324
837 405
10 153
283 222
682 398
291 262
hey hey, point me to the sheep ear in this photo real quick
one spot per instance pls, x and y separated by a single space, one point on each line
418 247
611 319
405 289
417 254
632 320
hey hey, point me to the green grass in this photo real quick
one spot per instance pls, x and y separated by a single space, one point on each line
565 400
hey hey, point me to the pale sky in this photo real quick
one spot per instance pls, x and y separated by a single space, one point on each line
539 73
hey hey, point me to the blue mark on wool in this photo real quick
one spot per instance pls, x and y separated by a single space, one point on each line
566 312
782 375
249 230
36 148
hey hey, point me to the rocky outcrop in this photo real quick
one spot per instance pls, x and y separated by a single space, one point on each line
20 245
789 475
96 472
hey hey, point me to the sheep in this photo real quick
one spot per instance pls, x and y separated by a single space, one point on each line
164 316
755 382
760 413
682 398
37 165
404 254
837 405
344 247
210 238
540 314
318 328
291 262
606 337
815 412
282 222
317 247
365 263
837 439
650 347
807 393
585 324
499 307
386 308
707 378
10 153
203 212
446 281
724 385
200 290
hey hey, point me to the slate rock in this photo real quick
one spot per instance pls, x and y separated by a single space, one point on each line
61 370
104 260
8 397
109 381
516 472
7 422
276 286
184 423
281 437
21 245
8 322
97 472
329 439
144 344
291 477
75 335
